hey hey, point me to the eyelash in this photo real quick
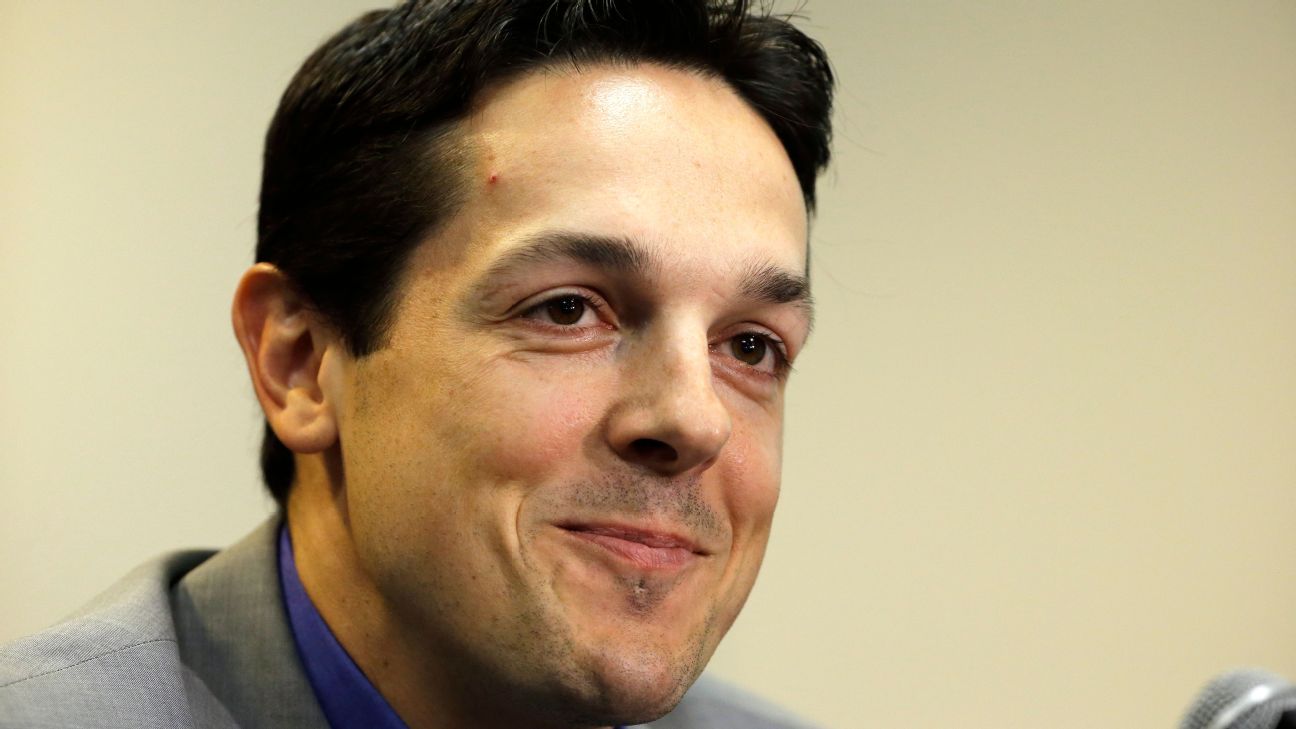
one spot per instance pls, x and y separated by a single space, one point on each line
776 346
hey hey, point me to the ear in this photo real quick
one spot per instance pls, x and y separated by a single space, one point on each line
286 345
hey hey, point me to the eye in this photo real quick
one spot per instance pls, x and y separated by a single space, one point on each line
759 351
564 310
749 347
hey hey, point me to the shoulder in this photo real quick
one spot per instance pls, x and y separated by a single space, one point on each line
714 704
122 644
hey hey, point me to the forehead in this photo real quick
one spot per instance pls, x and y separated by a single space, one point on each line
639 152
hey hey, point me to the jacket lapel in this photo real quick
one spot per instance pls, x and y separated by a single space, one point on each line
241 661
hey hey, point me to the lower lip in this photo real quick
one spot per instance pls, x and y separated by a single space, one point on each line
638 554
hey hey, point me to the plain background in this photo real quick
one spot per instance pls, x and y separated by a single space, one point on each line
1041 452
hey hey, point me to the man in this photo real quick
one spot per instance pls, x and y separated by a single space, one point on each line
530 279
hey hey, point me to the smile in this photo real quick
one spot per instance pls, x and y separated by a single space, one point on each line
645 550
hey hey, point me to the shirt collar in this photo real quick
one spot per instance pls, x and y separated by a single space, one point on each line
347 698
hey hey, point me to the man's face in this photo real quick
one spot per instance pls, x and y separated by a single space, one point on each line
561 471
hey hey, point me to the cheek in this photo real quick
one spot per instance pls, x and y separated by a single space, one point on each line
750 477
750 471
527 426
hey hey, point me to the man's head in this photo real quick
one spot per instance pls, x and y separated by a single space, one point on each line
532 276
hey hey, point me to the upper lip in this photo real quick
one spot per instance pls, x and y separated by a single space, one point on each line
647 536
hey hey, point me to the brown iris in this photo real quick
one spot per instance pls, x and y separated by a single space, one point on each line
749 348
566 309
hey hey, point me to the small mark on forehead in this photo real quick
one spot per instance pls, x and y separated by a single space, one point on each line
494 178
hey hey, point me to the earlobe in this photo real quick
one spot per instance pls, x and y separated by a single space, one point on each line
286 345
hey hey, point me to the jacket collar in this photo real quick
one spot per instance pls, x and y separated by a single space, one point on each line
235 641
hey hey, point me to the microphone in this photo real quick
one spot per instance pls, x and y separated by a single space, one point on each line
1247 698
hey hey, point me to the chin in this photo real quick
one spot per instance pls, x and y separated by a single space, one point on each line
635 687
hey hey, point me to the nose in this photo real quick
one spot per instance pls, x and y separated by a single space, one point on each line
669 417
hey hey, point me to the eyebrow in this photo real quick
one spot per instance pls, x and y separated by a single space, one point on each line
769 283
762 282
620 255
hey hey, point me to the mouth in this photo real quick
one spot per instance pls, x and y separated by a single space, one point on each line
643 548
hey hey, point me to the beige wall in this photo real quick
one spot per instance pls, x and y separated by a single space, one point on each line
1041 464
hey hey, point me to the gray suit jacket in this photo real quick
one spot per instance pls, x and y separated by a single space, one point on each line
200 640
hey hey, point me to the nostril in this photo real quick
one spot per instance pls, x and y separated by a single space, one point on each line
654 450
